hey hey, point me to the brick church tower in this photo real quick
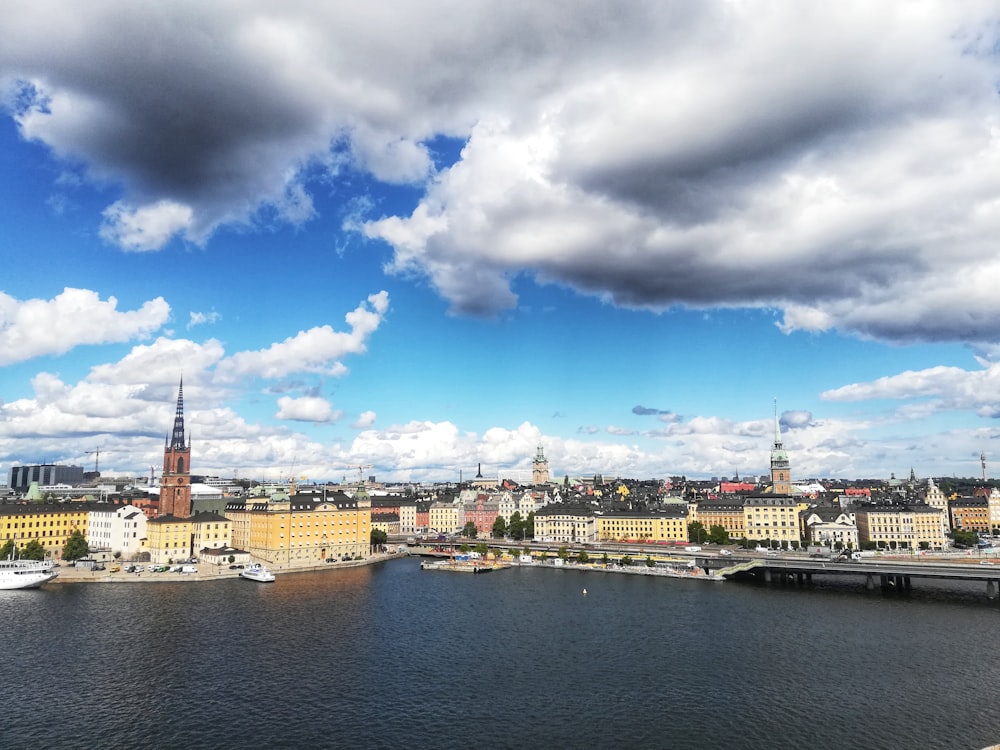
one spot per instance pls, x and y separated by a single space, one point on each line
175 482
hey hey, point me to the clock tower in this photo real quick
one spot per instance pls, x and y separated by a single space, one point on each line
175 482
781 474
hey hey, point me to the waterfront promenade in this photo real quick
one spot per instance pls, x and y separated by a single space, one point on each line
71 574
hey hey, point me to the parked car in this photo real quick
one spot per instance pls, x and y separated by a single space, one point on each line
236 567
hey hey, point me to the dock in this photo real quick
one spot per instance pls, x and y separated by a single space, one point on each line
463 566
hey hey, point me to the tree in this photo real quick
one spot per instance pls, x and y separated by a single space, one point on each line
529 526
7 551
717 534
583 558
515 527
627 560
649 562
469 530
499 530
33 550
964 538
378 537
482 549
563 552
604 559
76 546
696 532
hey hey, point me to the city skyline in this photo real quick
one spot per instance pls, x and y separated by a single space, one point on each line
367 237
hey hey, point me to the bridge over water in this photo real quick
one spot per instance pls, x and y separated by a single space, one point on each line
888 574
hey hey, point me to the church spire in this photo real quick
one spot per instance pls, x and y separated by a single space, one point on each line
777 427
178 437
781 474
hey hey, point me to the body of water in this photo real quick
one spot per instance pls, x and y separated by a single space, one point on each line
392 656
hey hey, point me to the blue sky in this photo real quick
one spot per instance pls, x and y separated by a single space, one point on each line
367 237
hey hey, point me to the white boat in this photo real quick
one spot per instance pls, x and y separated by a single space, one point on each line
257 573
25 574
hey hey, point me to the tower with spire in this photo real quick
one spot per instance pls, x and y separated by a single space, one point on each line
175 481
781 474
540 468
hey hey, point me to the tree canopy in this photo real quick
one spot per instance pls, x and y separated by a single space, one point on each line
33 550
76 546
515 528
499 530
470 530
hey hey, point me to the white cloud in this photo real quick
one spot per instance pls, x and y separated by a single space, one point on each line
36 327
201 318
306 409
316 350
364 421
147 227
936 389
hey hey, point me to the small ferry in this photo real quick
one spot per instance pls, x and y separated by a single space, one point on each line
257 573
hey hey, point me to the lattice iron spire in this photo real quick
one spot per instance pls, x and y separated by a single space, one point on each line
178 437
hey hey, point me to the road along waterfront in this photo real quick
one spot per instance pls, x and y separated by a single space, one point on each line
386 655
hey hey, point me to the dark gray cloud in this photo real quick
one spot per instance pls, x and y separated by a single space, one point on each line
783 155
647 411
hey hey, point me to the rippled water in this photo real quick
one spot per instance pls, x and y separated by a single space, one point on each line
388 655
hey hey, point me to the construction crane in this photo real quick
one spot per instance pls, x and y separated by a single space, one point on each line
361 481
97 459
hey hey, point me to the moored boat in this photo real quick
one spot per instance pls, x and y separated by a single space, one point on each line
257 573
25 574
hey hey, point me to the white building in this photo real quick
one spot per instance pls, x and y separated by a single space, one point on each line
828 527
119 528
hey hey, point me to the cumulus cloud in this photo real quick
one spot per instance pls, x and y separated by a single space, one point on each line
934 389
317 350
796 419
365 420
147 227
771 155
306 409
37 327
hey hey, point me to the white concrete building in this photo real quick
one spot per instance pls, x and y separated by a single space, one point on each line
119 528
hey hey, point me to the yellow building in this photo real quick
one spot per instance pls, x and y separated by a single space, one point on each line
905 525
49 523
773 517
445 518
662 526
725 513
970 514
305 529
169 539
